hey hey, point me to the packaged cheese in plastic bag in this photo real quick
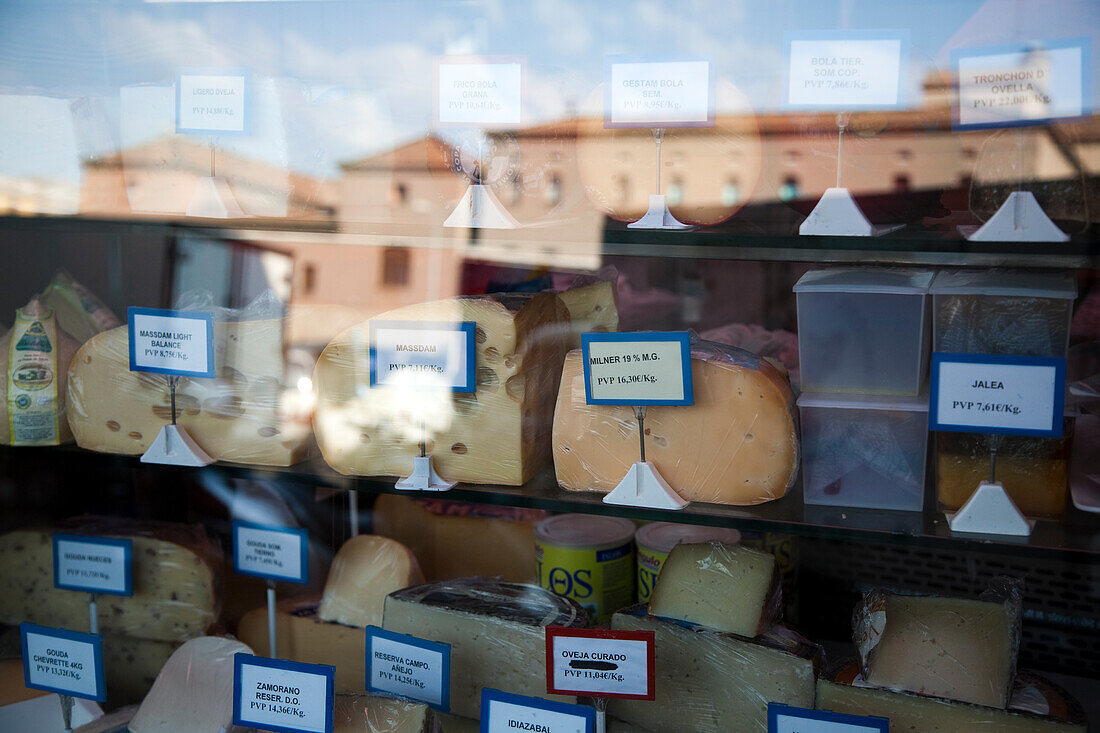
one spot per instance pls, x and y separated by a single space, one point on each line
78 310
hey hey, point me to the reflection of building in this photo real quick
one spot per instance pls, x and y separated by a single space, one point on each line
33 196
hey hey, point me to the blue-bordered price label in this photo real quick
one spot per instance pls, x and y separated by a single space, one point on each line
418 669
787 719
62 661
657 93
93 564
213 101
423 355
503 712
274 553
282 696
644 368
179 343
1009 395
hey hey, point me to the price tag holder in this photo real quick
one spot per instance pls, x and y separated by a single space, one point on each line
274 553
99 565
422 355
635 369
787 719
176 343
481 92
845 70
600 663
503 712
282 696
212 101
658 93
399 664
1009 395
62 661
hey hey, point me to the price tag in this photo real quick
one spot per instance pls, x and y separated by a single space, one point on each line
421 355
282 696
93 564
503 712
658 93
787 719
479 91
842 70
646 368
1011 395
275 553
600 663
61 661
212 101
404 665
1004 86
179 343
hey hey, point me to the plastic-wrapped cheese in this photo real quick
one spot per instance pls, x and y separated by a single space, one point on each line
592 309
79 312
499 434
375 714
496 631
366 570
736 445
239 416
176 570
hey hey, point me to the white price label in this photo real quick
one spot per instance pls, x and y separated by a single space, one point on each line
637 368
659 94
274 694
600 663
277 553
478 93
840 71
61 661
503 712
215 101
418 355
171 342
93 564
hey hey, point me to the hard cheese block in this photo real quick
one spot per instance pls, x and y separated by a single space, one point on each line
79 312
592 309
303 637
945 647
176 571
498 434
707 680
194 691
365 570
241 416
374 714
496 631
736 445
723 587
131 666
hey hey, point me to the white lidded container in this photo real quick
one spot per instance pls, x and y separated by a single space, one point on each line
864 330
864 450
656 539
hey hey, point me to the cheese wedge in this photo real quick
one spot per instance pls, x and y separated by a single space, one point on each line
723 587
79 312
499 434
131 666
736 445
592 309
241 416
176 571
366 570
374 714
496 631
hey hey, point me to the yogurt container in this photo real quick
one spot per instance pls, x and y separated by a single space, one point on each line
656 540
587 558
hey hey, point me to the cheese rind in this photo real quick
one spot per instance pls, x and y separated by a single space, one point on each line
706 680
374 714
499 434
723 587
176 573
736 445
496 631
366 569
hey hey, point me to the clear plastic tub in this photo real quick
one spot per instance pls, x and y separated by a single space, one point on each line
864 330
864 450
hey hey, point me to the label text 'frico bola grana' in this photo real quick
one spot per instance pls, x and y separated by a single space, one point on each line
171 342
62 661
485 93
637 368
93 564
276 553
404 665
279 695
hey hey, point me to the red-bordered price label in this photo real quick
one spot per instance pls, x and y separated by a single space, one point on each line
600 663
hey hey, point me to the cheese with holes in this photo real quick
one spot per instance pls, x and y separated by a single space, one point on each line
301 636
496 631
499 434
176 570
592 309
194 691
954 648
375 714
736 445
79 312
708 679
243 415
723 587
366 570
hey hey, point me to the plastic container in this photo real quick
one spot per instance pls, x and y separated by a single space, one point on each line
864 450
587 558
656 539
864 330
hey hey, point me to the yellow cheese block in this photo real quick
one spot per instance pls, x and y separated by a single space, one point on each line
131 666
366 570
243 415
374 714
592 309
499 434
736 445
79 312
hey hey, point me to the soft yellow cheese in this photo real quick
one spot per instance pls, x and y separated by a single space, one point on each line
374 714
592 309
243 415
176 571
723 587
499 434
736 445
366 569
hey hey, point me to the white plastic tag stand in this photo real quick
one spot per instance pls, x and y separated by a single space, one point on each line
643 486
173 446
990 510
213 199
480 209
658 216
424 477
837 214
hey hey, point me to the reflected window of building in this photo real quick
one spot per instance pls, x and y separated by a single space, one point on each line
309 277
902 184
731 193
791 156
675 192
400 194
622 188
905 154
395 267
789 189
553 190
970 153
